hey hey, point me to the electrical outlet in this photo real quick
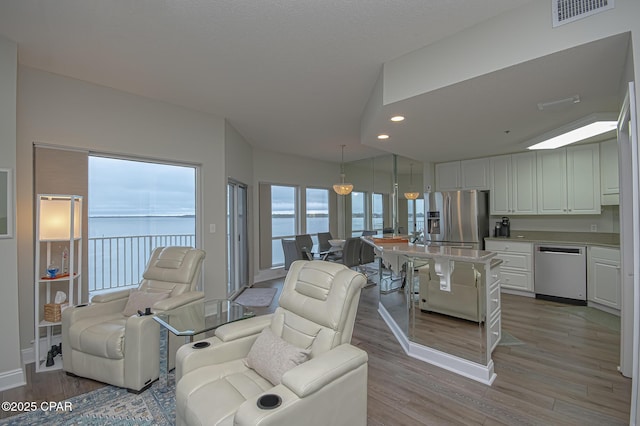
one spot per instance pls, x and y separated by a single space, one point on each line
594 228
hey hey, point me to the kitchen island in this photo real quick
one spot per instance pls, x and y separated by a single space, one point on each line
448 341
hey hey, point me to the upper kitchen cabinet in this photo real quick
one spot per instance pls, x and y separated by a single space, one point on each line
609 182
569 180
513 184
466 174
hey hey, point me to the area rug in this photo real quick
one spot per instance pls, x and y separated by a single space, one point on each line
107 406
256 297
594 315
508 340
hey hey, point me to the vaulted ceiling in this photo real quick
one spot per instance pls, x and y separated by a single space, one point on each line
295 76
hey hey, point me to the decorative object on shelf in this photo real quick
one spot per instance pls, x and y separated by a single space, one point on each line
59 221
342 188
411 194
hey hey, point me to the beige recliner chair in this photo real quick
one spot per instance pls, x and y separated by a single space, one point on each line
226 382
109 342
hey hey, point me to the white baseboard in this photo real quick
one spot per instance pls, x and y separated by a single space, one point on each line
12 379
28 354
481 373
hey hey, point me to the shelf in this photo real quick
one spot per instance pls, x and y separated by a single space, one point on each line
45 323
64 277
56 366
57 216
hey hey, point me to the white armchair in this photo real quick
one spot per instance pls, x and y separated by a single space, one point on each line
103 342
315 319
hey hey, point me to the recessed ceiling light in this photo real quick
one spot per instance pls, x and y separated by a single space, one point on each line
397 118
383 137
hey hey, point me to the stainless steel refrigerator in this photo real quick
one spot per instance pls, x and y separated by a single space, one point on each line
456 218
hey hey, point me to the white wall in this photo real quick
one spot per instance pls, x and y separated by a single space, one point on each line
11 373
514 37
71 113
239 162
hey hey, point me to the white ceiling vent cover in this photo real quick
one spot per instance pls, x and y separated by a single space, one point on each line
565 11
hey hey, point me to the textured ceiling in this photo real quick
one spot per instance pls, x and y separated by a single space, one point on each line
290 76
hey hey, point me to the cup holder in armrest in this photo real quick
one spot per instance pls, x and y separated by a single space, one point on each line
201 345
269 401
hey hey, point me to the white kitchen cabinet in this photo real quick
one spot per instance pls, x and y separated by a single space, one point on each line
448 176
568 180
513 184
475 173
466 174
517 264
609 180
603 279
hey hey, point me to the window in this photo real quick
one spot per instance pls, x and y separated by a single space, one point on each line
377 212
358 213
284 219
415 209
134 207
317 212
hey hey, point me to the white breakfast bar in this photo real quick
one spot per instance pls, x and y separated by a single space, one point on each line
441 261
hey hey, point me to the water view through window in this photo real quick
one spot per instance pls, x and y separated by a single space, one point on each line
135 206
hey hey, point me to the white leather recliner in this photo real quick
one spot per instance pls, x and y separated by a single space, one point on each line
316 314
100 342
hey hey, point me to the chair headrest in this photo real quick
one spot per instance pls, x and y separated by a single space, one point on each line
174 264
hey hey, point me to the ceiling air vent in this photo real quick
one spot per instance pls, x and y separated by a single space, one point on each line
565 11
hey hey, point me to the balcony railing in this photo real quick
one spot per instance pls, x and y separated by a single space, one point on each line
118 262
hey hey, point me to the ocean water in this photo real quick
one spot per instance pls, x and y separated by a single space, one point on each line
127 226
115 260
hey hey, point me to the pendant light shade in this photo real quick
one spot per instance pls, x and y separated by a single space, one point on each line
342 188
411 194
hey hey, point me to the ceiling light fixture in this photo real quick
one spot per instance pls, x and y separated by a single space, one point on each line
397 118
593 125
383 137
411 194
342 188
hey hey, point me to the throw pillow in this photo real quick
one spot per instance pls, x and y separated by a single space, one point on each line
139 300
271 357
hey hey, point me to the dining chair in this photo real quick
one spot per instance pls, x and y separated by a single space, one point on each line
323 240
351 252
305 246
291 252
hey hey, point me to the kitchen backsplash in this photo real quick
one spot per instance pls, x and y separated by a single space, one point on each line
607 221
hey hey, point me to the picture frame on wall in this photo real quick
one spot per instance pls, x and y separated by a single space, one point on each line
6 203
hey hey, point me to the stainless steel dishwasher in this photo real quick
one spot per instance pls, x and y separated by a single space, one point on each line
560 273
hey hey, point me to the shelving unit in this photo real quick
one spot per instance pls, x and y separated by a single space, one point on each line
58 227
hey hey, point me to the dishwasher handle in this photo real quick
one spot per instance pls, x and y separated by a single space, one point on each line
560 250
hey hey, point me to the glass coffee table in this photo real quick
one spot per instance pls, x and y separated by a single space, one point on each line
194 319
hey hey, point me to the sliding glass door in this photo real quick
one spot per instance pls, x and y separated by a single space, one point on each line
237 238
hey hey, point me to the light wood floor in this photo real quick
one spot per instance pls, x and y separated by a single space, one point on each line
564 373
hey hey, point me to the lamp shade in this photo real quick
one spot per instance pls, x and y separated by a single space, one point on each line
56 215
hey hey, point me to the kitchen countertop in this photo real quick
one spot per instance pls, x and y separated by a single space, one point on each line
421 251
587 238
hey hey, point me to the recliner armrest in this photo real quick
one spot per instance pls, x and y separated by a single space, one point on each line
108 297
177 301
313 375
247 327
92 310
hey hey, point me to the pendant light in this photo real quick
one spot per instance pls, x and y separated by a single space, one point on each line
411 194
342 188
